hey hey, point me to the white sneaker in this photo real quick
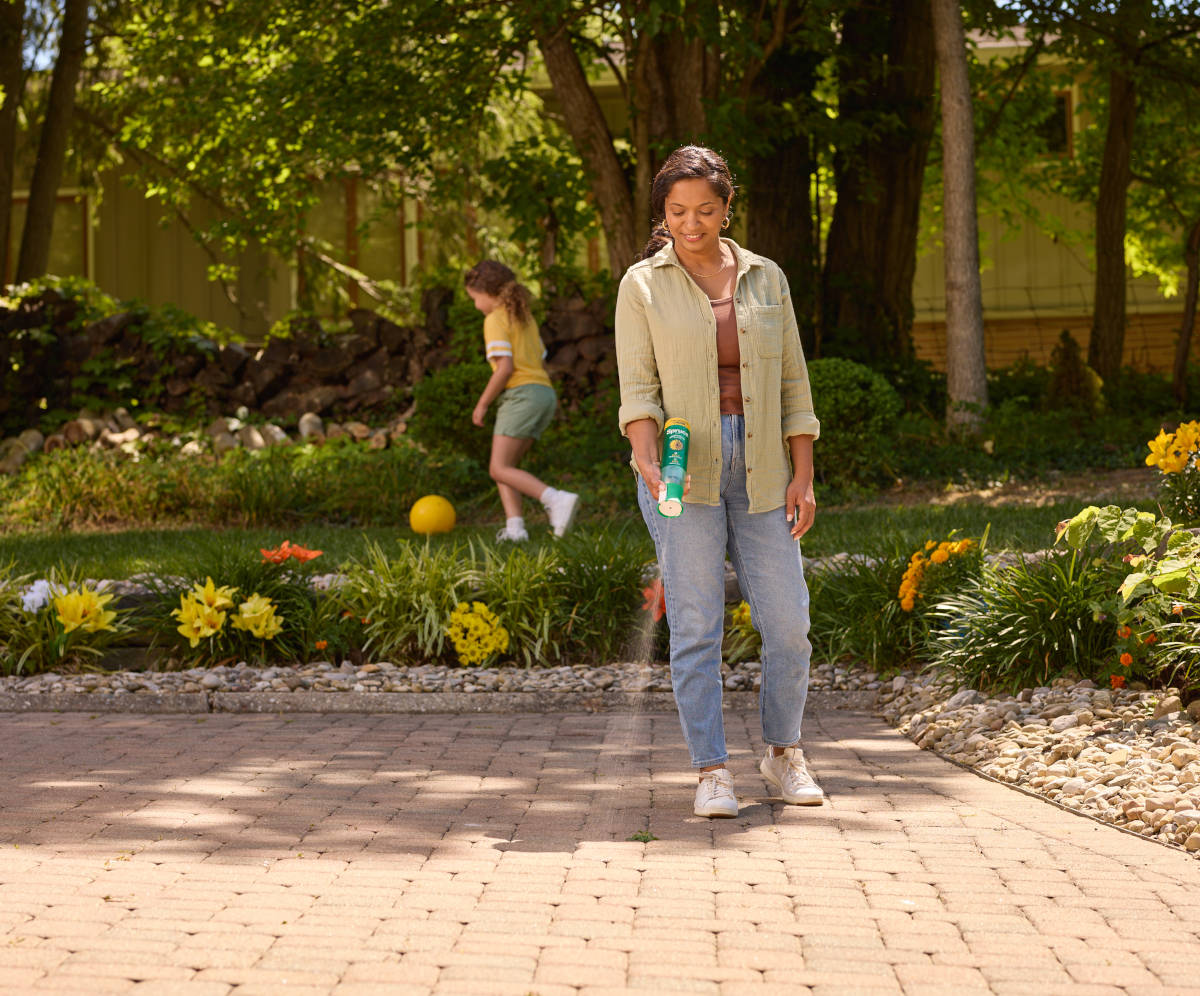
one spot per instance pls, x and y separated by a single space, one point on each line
561 509
714 794
507 535
789 774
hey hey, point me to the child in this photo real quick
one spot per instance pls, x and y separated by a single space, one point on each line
527 399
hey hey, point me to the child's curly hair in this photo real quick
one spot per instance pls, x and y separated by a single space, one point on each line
498 280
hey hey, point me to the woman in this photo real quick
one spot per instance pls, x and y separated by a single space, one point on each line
527 400
706 332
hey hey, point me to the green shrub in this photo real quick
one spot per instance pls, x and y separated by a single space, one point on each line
1024 624
405 600
1073 384
877 611
856 614
340 481
444 402
858 411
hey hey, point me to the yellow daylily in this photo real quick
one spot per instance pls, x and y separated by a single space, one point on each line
1160 446
257 616
197 621
84 609
213 597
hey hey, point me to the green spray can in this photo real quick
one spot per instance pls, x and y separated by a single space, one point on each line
676 434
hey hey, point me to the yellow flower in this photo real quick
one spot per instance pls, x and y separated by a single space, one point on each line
197 621
257 616
476 633
931 544
939 556
215 598
84 609
1158 448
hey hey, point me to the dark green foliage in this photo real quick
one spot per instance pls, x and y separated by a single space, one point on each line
583 450
1023 384
442 421
1023 625
1073 384
340 481
856 615
858 409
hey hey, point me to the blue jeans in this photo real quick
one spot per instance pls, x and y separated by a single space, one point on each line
691 555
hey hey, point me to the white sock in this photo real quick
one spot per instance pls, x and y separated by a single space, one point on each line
549 495
516 524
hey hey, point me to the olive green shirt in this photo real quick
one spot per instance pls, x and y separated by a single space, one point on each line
667 362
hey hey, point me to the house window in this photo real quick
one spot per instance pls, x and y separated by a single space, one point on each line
1055 129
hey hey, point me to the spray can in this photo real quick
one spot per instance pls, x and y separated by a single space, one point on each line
676 434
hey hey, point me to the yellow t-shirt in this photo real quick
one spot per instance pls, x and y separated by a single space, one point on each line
503 337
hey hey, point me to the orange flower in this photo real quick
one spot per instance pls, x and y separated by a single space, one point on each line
1126 659
1152 638
1118 680
321 644
1124 632
656 599
286 550
276 556
1177 610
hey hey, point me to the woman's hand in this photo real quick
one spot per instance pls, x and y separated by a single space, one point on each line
478 414
643 434
801 505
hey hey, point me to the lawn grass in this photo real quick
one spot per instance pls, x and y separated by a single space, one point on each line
869 530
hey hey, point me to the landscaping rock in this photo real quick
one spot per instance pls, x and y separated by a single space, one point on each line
250 437
311 426
32 440
224 442
274 435
1168 705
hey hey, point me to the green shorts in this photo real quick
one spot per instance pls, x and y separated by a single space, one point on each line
525 411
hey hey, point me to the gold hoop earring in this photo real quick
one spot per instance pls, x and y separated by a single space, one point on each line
666 227
725 223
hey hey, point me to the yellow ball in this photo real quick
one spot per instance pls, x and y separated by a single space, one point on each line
431 514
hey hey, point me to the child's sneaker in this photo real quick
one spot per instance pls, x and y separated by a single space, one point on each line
507 535
789 774
561 509
714 794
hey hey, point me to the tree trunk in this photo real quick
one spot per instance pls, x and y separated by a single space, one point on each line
12 18
966 369
780 223
673 75
1191 256
1108 316
585 123
52 146
886 77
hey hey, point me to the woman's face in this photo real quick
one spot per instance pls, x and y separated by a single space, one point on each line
484 302
694 213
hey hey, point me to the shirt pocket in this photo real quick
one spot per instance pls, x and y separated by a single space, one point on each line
767 329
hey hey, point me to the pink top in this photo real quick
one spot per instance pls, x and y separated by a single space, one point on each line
729 357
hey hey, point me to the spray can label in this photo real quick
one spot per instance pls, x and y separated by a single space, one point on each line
676 434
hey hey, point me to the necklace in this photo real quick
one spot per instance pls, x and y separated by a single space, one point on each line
696 273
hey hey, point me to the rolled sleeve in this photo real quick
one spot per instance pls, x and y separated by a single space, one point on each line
799 419
641 389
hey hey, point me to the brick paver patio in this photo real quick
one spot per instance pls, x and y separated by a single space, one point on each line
490 854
